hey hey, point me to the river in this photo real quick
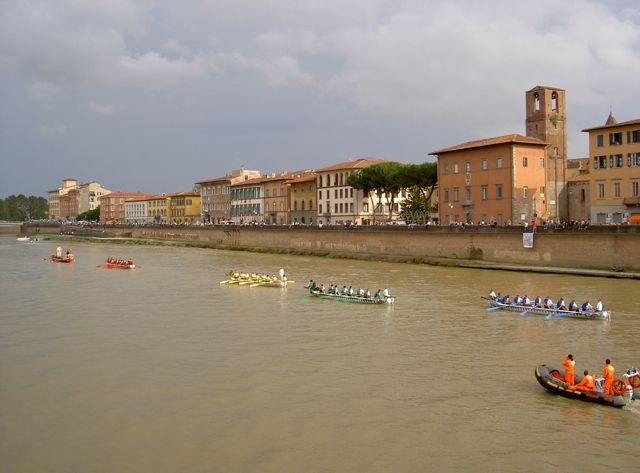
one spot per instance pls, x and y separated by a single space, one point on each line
164 369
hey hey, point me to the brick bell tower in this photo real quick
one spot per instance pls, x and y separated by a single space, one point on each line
546 120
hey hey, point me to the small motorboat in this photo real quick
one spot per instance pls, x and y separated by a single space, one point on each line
58 257
626 388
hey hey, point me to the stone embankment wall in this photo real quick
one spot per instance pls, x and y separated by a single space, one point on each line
595 248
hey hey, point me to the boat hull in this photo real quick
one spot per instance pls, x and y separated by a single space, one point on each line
544 375
356 299
57 259
602 315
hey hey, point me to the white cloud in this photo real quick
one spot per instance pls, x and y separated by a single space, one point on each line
53 129
101 109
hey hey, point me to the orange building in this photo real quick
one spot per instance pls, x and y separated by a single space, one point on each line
112 209
499 180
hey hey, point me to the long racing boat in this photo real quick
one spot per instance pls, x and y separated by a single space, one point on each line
528 309
357 299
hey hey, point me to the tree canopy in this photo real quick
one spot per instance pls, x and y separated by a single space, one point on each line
389 178
20 208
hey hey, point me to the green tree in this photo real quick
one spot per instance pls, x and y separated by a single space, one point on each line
90 215
21 207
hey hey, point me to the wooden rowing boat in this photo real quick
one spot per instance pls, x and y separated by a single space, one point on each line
556 313
356 299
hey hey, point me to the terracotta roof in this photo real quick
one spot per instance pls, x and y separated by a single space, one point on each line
125 194
498 140
614 125
359 163
306 177
184 194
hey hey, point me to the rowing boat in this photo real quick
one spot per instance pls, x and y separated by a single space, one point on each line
357 299
255 279
527 309
553 381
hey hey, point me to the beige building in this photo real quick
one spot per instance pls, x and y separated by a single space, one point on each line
276 198
339 203
215 195
247 201
614 176
72 198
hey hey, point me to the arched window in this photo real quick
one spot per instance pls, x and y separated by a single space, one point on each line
335 179
295 205
301 203
536 102
554 101
310 204
319 181
341 176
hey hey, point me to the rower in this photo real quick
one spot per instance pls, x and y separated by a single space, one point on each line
586 307
537 302
367 294
492 295
386 293
526 301
573 305
350 290
548 303
377 294
560 304
344 291
599 306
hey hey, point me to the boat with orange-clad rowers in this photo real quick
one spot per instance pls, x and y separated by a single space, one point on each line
114 263
626 389
58 257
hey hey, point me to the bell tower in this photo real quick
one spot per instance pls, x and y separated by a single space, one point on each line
546 120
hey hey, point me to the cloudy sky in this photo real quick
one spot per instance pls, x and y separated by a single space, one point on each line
155 95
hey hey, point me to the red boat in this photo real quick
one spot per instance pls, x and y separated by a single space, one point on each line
113 263
59 258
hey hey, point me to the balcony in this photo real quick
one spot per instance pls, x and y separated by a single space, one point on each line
631 201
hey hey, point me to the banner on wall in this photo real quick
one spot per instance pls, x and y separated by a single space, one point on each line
527 240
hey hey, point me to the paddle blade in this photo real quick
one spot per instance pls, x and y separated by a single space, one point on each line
494 308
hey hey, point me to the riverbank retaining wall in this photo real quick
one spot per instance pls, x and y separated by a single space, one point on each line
616 248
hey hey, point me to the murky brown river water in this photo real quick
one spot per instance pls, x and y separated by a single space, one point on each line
162 369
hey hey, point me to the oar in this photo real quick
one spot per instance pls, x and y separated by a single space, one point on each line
494 308
550 315
255 284
525 312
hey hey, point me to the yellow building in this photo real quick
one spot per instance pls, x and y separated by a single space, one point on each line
302 198
183 208
158 208
614 175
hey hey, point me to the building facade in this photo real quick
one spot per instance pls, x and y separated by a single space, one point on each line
112 208
302 198
276 198
247 201
497 180
341 204
546 120
71 199
183 208
614 174
215 195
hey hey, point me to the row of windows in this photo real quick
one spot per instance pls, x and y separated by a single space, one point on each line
245 193
338 193
484 193
214 190
615 138
207 207
615 189
245 209
295 205
616 161
339 179
484 165
341 208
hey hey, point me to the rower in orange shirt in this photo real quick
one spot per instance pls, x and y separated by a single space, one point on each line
587 383
608 372
569 366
